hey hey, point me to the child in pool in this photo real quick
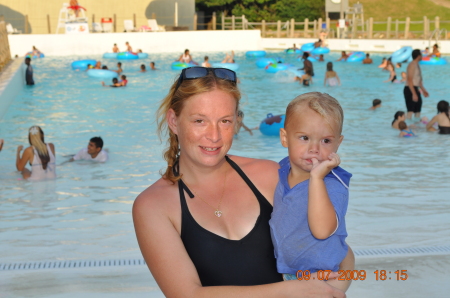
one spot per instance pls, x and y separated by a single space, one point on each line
331 77
311 198
405 131
376 103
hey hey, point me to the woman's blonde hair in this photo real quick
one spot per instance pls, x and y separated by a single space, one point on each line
175 100
36 139
325 105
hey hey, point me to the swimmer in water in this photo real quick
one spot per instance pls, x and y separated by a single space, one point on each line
321 58
398 116
383 63
343 57
119 67
152 66
186 58
205 62
115 82
115 49
392 75
129 48
143 68
240 123
104 67
442 119
305 79
405 132
229 58
403 74
123 80
367 60
331 77
376 103
98 65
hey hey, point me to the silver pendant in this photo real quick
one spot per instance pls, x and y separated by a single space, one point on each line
218 213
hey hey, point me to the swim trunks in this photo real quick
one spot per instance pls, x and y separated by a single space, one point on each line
412 106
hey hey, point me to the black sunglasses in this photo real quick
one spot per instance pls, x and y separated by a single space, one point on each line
196 72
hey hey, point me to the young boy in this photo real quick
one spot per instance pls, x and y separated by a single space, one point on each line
405 131
376 103
308 219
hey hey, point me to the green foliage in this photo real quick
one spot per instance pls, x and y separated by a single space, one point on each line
269 10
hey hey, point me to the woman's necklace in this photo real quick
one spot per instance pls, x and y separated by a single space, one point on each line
217 211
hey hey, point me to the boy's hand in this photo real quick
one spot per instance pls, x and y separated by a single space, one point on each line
321 169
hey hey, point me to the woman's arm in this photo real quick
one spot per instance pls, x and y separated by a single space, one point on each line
430 124
21 162
173 270
347 264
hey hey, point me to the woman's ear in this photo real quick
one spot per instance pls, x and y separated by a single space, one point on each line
172 121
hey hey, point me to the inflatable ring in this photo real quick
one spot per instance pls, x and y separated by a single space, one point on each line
402 55
320 50
255 54
356 57
272 124
110 55
102 73
276 67
177 65
292 51
307 47
30 55
433 60
231 66
263 62
82 64
142 55
127 56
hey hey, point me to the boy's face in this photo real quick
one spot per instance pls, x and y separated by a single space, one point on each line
307 136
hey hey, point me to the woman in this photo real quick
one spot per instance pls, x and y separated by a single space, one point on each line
331 77
383 63
305 79
398 117
392 75
39 155
442 119
203 227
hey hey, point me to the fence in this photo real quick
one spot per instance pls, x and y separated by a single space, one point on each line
5 53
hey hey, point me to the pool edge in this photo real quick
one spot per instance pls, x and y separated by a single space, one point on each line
11 83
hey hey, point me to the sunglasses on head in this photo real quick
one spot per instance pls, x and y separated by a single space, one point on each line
196 72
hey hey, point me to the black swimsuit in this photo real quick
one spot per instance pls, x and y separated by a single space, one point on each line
444 130
220 261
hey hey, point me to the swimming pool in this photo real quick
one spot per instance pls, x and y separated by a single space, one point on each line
399 191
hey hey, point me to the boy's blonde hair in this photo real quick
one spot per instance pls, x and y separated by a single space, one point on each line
325 105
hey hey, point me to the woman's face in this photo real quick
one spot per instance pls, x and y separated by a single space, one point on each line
402 117
205 127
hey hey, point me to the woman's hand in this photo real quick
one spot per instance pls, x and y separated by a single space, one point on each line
19 148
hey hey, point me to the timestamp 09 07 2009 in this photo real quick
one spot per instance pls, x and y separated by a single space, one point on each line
380 275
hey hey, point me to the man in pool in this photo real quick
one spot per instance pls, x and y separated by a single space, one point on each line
115 48
29 72
119 67
307 64
367 60
152 66
93 152
376 103
115 82
414 82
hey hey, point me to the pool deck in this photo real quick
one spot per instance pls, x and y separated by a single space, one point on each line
196 41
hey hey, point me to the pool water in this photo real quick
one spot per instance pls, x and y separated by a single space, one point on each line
399 194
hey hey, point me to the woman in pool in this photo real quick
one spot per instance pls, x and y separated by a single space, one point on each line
383 63
203 227
392 75
39 155
398 116
442 119
331 77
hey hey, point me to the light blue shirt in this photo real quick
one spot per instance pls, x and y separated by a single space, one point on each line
295 247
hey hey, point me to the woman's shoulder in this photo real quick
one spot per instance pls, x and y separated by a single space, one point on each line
257 169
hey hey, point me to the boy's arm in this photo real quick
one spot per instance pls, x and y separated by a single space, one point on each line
322 218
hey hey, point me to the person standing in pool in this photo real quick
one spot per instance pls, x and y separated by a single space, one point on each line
40 156
206 220
307 64
367 60
29 72
331 77
392 75
414 82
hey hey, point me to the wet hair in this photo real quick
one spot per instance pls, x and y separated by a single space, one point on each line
152 63
185 51
124 77
436 45
416 53
367 55
115 44
97 141
305 55
384 59
325 105
376 102
28 59
104 67
88 66
115 80
330 66
206 57
397 115
442 107
119 63
36 139
402 125
175 100
142 66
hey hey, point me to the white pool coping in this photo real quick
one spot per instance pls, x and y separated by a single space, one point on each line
12 80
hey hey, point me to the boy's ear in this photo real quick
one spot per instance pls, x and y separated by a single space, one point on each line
172 120
283 137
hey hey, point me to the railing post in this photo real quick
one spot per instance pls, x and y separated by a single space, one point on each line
263 28
214 21
328 24
396 29
48 24
233 20
194 27
315 29
26 24
354 25
388 27
243 22
407 27
223 21
425 29
305 34
278 29
436 23
370 28
292 28
319 25
115 23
